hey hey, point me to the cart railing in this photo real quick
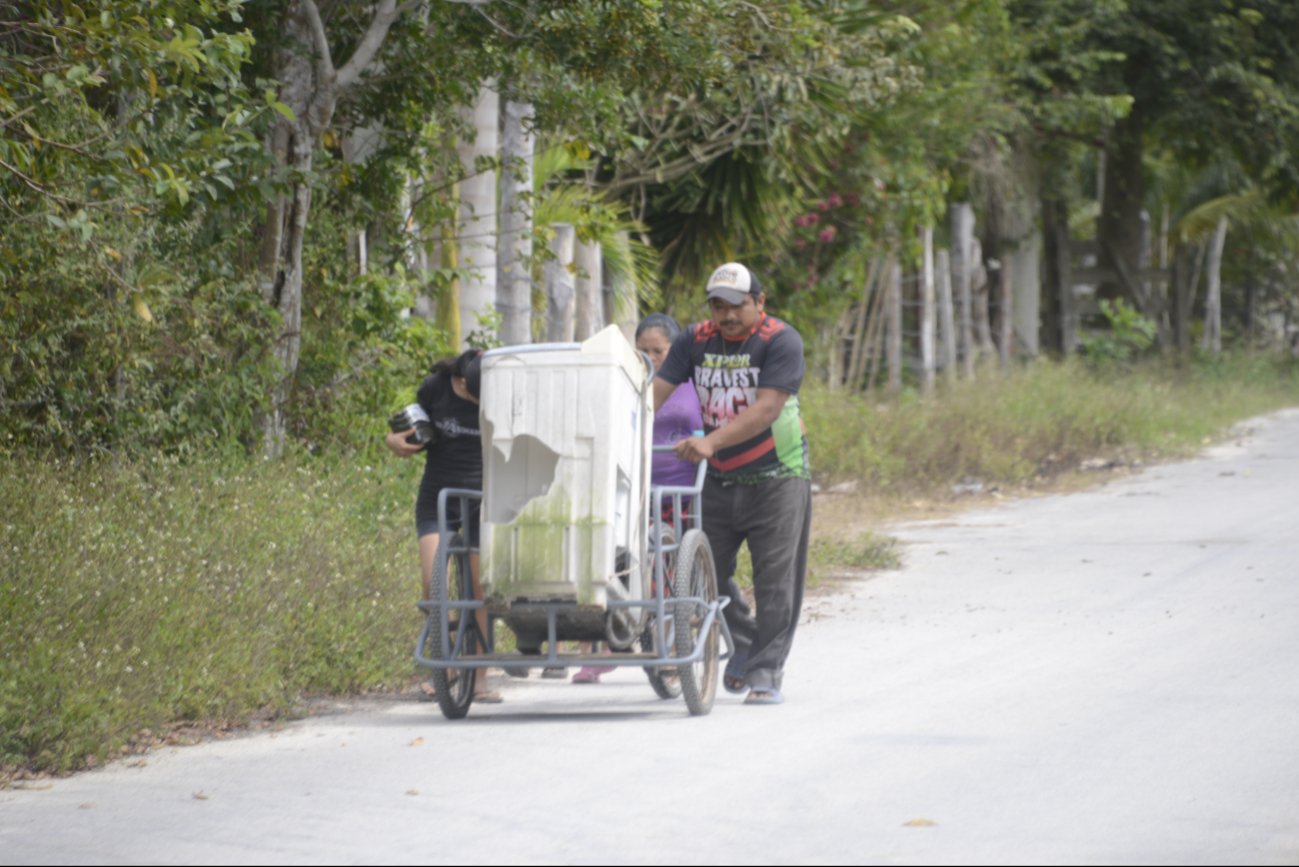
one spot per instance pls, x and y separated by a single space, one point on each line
662 606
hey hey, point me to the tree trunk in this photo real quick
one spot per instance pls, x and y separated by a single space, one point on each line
1213 298
1251 305
993 255
1161 289
1182 289
588 297
980 292
514 267
477 226
310 86
946 316
559 285
1023 264
961 216
1119 227
893 274
358 146
1059 319
927 317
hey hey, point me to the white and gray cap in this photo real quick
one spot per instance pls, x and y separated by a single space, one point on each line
731 282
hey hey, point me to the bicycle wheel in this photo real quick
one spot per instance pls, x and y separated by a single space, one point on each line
696 577
662 679
454 686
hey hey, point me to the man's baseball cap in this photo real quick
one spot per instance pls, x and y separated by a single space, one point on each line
731 282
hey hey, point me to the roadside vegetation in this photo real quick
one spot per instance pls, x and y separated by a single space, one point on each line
140 596
236 235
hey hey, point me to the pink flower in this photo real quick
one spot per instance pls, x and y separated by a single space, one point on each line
827 235
834 200
810 219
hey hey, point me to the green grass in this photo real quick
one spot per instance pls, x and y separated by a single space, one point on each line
1037 421
140 595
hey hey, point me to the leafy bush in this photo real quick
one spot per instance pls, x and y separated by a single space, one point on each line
1130 334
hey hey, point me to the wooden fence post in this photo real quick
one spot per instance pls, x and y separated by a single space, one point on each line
894 333
857 357
962 220
927 318
946 317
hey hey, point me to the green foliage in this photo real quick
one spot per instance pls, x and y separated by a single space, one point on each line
720 161
126 135
138 109
1130 334
1213 78
828 557
117 346
360 355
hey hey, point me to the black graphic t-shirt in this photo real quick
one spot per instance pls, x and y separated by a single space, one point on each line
455 460
727 375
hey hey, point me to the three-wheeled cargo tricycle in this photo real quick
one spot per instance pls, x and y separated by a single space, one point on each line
577 545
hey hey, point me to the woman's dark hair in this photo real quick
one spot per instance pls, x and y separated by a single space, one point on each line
662 322
468 364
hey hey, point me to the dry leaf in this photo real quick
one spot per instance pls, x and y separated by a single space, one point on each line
200 796
416 742
412 791
919 823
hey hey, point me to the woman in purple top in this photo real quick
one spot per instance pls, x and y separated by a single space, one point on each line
677 419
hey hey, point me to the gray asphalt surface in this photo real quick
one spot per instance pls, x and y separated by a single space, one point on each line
1109 677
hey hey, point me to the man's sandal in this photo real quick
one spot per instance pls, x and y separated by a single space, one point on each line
733 677
764 695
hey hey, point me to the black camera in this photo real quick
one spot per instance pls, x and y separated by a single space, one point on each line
413 416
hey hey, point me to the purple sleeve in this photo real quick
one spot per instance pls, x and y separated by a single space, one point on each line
678 418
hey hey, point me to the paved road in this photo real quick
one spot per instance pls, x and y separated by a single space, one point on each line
1109 677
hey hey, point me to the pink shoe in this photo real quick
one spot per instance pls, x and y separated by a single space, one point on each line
591 674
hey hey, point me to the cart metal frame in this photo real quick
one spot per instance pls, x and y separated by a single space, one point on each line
677 661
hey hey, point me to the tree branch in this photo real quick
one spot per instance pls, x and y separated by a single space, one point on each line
50 194
322 41
386 13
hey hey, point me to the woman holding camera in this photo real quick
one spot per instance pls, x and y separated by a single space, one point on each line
453 449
